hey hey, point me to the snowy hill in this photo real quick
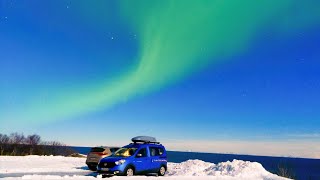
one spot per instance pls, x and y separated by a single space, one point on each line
58 167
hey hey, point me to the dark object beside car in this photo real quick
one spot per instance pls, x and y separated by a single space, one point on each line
96 154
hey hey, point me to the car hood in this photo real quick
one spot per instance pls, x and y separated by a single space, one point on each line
111 159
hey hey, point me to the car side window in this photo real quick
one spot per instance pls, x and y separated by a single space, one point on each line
154 151
143 152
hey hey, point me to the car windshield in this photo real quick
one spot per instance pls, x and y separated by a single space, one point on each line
125 152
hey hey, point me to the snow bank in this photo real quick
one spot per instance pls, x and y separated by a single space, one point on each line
39 164
236 169
58 167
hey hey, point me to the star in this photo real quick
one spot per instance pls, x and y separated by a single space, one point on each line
244 93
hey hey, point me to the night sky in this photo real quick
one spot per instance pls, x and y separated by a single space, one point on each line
238 73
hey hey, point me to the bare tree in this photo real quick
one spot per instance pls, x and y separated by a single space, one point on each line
54 147
56 143
32 141
15 139
285 169
4 140
17 144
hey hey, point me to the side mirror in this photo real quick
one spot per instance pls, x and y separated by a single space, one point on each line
139 155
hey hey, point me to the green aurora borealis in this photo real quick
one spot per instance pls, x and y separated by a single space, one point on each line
175 40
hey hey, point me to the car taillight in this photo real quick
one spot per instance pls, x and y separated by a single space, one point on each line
100 153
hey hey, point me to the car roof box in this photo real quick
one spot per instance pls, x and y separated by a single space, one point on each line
144 139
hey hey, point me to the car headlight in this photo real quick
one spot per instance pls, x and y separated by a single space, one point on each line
120 162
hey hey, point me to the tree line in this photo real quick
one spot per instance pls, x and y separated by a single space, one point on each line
17 144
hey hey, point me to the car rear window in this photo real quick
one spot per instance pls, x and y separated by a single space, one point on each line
97 149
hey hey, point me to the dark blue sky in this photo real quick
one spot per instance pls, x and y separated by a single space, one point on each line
269 91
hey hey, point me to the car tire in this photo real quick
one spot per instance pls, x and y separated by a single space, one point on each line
162 171
92 168
129 171
106 176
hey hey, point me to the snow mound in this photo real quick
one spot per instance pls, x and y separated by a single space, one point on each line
189 168
237 168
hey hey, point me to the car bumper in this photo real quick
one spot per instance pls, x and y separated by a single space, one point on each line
92 164
117 170
110 172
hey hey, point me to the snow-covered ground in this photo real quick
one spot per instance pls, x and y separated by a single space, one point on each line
58 167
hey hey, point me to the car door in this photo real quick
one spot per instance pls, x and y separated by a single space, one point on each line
156 160
142 161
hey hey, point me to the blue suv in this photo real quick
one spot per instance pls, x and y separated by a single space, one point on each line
144 156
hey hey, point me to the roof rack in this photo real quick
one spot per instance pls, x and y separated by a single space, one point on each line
144 140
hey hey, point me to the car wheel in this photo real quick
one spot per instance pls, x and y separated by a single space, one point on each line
104 176
162 171
129 171
92 168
